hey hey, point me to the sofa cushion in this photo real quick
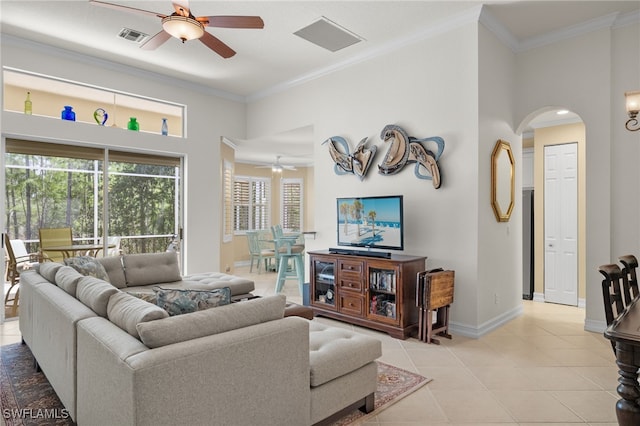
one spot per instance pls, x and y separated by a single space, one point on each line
334 352
49 270
181 328
87 265
178 302
127 311
67 279
95 293
115 270
151 268
209 280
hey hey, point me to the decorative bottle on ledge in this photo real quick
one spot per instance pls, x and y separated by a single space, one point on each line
27 104
165 127
133 124
68 114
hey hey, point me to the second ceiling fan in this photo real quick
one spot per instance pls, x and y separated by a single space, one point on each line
183 25
277 167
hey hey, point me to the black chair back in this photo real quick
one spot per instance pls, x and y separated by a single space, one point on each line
612 294
629 277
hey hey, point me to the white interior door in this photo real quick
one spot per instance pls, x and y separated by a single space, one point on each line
561 224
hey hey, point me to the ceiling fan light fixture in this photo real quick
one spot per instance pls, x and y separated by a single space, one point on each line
183 27
276 168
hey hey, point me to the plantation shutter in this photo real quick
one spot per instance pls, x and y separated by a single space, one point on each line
227 190
291 209
251 204
261 202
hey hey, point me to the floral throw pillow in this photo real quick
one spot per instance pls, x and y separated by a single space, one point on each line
177 302
147 297
87 265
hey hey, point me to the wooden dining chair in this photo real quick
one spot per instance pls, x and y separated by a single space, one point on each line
51 237
629 277
612 294
17 259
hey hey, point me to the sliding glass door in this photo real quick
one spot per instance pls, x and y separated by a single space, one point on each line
53 185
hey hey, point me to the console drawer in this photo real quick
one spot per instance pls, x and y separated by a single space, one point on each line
350 267
350 283
352 305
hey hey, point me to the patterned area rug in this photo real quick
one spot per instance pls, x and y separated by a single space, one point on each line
27 398
393 384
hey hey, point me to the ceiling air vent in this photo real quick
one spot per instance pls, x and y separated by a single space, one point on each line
132 35
328 34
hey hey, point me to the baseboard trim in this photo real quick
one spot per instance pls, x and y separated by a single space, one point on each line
486 327
595 326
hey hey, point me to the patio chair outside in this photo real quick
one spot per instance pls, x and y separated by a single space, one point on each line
17 260
51 237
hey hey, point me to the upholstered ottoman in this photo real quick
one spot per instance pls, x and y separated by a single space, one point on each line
343 370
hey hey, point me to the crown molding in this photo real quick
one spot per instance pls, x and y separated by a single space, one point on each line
451 23
117 67
627 19
489 20
605 21
612 20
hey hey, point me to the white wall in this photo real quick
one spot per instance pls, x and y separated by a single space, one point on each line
208 118
588 74
499 243
430 89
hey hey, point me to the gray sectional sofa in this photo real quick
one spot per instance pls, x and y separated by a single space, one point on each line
113 358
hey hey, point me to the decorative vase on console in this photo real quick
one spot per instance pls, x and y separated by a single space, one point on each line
133 124
68 113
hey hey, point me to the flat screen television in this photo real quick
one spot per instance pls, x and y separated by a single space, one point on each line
371 222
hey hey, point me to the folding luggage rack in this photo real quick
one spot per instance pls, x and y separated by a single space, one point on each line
434 293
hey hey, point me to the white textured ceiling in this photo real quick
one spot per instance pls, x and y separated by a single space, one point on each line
274 57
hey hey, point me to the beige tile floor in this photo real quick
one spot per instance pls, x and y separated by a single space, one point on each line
541 368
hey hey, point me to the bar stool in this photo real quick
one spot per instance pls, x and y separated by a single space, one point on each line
288 249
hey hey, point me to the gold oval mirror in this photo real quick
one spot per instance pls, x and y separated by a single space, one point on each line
502 180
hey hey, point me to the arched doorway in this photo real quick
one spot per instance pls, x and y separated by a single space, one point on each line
545 133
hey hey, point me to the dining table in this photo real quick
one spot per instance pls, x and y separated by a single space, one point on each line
73 250
625 333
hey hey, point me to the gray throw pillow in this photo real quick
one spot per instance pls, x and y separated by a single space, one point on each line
127 311
181 328
177 302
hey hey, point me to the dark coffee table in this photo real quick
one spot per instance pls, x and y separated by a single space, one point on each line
290 309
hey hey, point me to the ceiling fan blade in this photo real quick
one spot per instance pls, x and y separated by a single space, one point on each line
182 7
217 45
232 21
156 41
127 8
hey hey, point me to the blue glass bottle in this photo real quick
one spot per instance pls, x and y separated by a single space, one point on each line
165 127
68 113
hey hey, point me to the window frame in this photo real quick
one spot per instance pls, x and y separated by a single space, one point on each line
283 220
251 204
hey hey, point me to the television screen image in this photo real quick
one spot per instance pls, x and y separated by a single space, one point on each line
373 222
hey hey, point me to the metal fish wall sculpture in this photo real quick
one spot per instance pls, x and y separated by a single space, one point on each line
405 149
356 163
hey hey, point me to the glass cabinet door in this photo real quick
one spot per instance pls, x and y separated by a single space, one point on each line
382 292
324 290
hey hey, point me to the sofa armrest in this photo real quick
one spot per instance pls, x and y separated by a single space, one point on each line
253 375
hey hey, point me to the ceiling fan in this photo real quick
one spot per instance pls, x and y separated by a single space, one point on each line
277 167
182 25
